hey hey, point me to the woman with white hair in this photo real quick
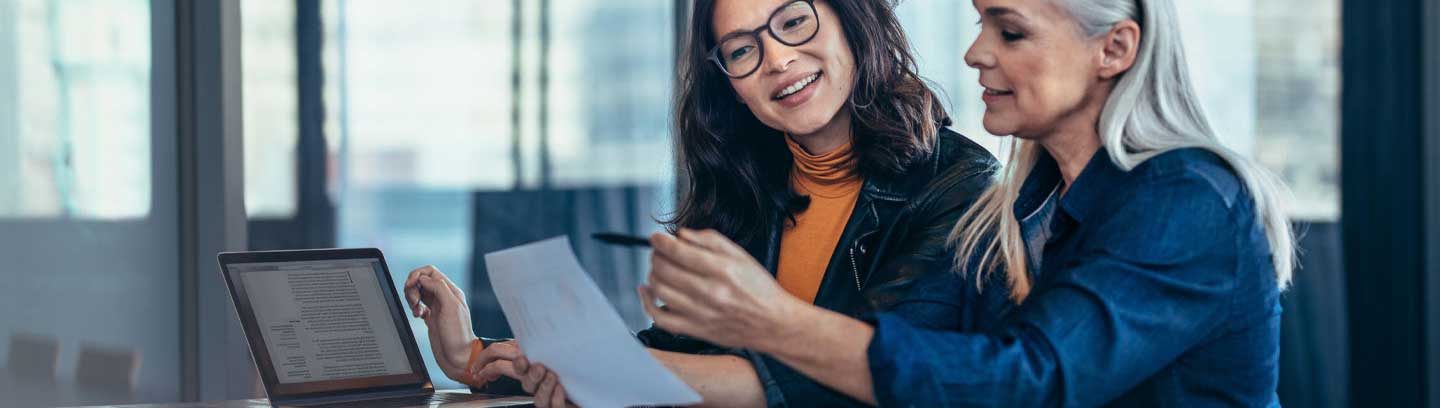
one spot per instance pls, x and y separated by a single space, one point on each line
1142 261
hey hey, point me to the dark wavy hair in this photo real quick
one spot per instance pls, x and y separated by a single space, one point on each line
738 169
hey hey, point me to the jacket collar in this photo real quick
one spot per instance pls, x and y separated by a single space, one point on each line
895 191
889 190
1094 184
885 190
899 187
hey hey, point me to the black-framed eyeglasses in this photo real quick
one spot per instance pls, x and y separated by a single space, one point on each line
739 54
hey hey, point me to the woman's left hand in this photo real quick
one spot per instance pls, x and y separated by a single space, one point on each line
539 381
714 290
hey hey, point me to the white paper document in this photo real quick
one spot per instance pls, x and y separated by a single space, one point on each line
563 321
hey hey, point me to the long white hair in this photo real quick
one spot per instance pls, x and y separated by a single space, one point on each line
1152 109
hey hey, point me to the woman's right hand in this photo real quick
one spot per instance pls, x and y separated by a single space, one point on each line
441 304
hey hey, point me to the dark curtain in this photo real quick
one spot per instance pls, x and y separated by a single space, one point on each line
1314 362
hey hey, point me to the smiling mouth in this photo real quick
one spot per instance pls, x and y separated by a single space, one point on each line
796 87
996 92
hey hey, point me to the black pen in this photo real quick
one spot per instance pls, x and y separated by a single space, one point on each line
621 239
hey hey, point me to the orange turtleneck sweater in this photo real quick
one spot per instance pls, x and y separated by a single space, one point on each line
833 184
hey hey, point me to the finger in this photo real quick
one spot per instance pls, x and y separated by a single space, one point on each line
523 367
663 271
667 244
459 294
522 364
495 370
544 393
676 301
498 352
454 290
557 394
533 377
562 397
664 318
415 273
647 300
412 289
435 293
725 244
689 257
714 241
412 299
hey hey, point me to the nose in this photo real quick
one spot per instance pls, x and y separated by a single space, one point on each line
778 56
979 55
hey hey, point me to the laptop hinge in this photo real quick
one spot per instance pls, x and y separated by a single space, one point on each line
364 396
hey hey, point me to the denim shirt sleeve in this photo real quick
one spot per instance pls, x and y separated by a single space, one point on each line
1154 280
938 301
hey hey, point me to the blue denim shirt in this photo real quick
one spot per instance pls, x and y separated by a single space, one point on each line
1156 289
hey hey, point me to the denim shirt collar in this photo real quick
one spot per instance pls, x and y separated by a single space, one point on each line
1095 182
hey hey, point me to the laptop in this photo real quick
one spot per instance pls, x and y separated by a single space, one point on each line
326 327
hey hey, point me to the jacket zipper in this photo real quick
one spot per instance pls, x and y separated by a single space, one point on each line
855 268
854 265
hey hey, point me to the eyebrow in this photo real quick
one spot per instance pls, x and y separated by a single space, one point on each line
734 33
740 31
1003 11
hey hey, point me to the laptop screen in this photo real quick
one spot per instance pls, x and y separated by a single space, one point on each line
319 325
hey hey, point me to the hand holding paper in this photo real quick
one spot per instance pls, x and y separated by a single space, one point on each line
561 320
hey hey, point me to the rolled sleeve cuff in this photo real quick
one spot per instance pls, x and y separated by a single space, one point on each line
884 353
774 396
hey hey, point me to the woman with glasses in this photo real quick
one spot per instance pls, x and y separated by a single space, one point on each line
806 136
1145 260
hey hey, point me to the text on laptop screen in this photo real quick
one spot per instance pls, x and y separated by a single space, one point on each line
324 320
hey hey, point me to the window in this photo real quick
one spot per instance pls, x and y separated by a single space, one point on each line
461 127
1298 97
89 200
940 32
270 106
422 95
609 97
76 142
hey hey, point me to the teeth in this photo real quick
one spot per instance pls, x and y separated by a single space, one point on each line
797 86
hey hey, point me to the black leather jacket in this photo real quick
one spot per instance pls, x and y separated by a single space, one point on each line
895 234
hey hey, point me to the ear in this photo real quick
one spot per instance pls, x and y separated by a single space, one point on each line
1122 45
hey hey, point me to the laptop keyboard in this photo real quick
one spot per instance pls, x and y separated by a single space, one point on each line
409 401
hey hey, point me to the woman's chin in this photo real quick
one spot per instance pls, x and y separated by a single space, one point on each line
803 126
809 120
999 127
